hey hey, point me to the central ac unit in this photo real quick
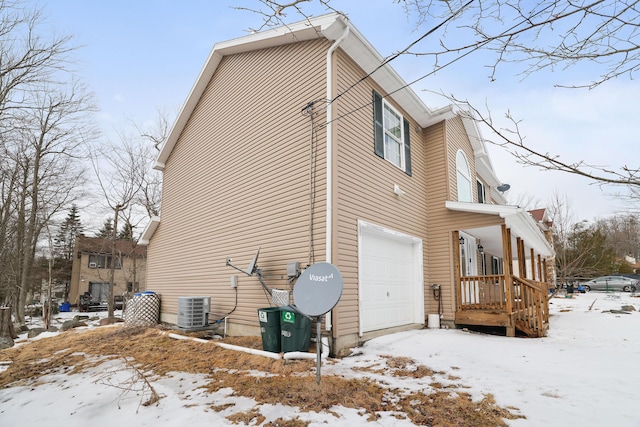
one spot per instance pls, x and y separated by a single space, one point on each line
193 312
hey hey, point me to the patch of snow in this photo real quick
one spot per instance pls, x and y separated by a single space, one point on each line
585 372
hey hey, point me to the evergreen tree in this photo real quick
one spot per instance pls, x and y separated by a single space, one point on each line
63 245
126 232
65 240
106 232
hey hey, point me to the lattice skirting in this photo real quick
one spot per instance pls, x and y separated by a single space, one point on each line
142 310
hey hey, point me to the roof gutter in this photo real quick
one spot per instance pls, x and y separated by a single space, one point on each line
329 215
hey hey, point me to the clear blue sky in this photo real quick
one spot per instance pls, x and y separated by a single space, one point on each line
138 56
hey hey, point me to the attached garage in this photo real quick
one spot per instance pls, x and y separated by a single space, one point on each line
390 278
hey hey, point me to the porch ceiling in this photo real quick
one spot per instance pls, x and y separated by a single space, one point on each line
515 218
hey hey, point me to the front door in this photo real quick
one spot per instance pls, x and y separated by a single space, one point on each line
469 268
468 256
99 291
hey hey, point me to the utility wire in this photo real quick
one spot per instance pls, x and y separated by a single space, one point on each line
403 51
474 49
313 160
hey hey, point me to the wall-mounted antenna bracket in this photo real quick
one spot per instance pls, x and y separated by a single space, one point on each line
251 270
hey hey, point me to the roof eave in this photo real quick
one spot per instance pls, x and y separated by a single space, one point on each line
149 230
516 218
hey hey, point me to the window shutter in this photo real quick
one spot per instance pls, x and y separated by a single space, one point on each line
407 147
378 131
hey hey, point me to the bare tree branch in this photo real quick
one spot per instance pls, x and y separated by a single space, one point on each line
137 384
275 12
512 140
548 34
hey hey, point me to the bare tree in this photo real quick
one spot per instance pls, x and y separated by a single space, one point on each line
555 34
585 250
118 169
623 234
27 59
43 124
130 186
512 140
274 13
50 137
568 265
550 34
155 133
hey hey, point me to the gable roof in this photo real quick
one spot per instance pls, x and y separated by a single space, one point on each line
331 27
102 246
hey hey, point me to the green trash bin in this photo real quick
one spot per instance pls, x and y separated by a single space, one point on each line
295 329
270 328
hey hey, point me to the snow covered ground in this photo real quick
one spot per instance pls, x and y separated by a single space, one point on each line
586 373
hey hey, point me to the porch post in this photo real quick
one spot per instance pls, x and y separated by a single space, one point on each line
522 265
458 271
540 275
533 265
508 281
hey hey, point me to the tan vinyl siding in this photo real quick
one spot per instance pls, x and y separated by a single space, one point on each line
443 141
439 185
365 182
238 179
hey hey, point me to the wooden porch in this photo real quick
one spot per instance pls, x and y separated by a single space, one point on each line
506 301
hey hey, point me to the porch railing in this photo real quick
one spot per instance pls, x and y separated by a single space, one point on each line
525 302
530 306
482 293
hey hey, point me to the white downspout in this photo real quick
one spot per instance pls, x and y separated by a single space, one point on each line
329 202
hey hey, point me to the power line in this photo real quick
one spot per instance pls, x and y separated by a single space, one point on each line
391 58
474 49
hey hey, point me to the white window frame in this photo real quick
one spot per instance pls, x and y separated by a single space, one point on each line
463 177
482 192
497 266
387 134
103 261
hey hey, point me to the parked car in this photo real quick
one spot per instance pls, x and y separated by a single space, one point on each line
612 283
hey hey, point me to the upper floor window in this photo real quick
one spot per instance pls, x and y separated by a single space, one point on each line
102 261
463 178
482 197
391 134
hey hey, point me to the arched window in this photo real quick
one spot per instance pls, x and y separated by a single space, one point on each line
464 178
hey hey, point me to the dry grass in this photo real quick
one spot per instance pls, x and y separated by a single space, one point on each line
279 382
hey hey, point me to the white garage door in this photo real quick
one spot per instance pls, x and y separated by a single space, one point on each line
390 275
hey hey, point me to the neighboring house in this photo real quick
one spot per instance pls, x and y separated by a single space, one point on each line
91 269
401 198
546 225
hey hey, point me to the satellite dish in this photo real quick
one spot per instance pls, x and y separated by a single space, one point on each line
252 265
318 289
502 188
251 270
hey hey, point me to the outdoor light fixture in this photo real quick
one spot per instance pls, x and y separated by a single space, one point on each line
397 190
480 249
461 240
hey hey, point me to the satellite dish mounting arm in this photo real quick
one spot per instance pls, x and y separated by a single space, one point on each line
251 270
228 263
